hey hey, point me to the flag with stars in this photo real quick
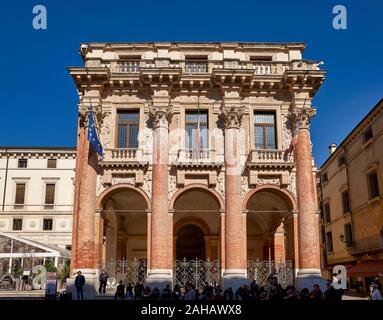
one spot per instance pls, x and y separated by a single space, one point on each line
92 135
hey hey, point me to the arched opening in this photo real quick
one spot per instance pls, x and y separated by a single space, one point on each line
124 212
196 222
270 225
190 243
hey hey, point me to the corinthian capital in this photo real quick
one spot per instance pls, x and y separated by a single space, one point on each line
160 116
301 117
231 116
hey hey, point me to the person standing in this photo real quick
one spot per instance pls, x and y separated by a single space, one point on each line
190 293
375 292
79 283
103 279
120 291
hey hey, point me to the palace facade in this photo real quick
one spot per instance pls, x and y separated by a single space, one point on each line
197 162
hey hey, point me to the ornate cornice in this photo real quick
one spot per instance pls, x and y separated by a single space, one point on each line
231 116
160 116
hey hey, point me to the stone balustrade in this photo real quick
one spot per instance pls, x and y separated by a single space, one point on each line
123 155
270 156
194 155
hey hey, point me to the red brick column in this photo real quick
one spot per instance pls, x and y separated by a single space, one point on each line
234 272
308 232
83 238
159 273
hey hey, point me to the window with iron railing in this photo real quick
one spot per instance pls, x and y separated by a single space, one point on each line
196 127
128 126
129 66
264 130
196 66
52 163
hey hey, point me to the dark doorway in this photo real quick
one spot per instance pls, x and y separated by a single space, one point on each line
190 243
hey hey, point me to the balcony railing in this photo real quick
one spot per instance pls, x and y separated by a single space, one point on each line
367 244
270 156
123 155
196 156
131 66
196 66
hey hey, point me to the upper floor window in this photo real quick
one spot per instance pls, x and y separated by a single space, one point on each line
373 185
128 124
49 195
324 177
341 160
348 234
22 163
20 196
327 213
367 135
264 130
17 224
329 242
47 224
52 163
345 202
196 126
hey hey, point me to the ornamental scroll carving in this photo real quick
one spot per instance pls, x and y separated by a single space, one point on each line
231 116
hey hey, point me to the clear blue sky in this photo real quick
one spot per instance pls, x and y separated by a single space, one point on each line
39 100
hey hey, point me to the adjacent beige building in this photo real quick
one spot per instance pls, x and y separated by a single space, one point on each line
351 192
37 187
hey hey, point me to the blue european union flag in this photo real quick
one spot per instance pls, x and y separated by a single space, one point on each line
92 135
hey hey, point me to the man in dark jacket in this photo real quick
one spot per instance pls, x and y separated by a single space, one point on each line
79 283
103 279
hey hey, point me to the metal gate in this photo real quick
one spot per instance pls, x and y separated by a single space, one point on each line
129 271
260 270
197 272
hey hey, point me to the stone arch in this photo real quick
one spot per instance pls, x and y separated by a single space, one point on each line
197 186
107 193
284 194
193 221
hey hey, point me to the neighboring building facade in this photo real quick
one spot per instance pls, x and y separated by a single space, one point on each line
350 191
37 187
195 165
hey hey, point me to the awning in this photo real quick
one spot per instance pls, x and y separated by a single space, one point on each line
366 269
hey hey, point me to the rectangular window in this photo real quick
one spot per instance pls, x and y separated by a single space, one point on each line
17 224
324 177
22 163
264 130
68 247
348 234
49 195
193 121
367 135
327 214
128 124
329 246
341 160
20 196
345 202
47 224
52 163
373 185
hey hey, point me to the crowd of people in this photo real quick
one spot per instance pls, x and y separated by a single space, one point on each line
271 291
